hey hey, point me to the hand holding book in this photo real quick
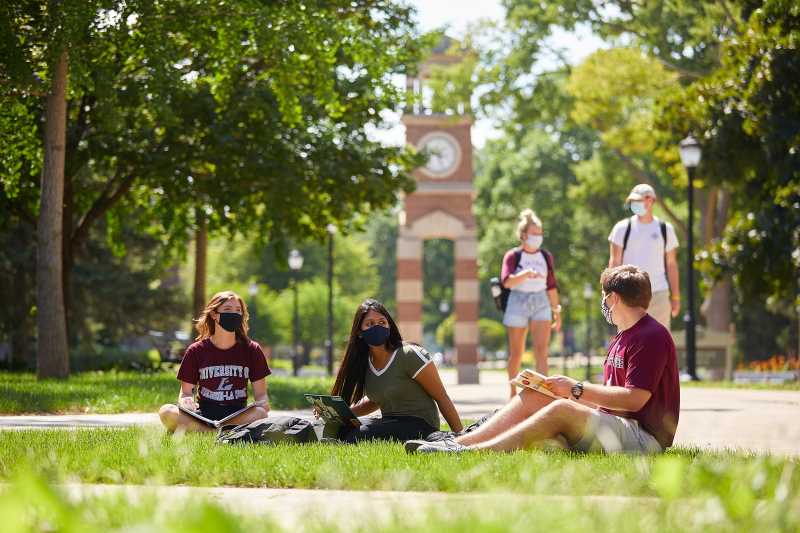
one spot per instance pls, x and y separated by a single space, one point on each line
535 381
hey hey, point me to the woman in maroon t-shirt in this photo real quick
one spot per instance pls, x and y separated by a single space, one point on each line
218 366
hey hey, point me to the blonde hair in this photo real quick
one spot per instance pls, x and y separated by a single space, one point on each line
205 324
526 219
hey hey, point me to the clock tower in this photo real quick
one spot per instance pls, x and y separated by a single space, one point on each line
440 208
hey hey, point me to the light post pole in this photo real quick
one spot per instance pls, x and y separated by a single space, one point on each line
331 228
252 290
564 333
588 294
690 157
295 264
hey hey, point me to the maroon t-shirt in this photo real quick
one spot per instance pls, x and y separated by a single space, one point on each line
643 357
222 375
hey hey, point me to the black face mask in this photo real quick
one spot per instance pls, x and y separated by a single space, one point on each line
230 321
377 335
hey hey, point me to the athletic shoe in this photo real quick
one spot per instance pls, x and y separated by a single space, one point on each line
422 446
412 445
444 446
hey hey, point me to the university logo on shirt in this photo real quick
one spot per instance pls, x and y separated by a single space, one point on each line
616 359
225 388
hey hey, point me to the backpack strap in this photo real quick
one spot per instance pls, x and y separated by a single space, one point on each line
664 238
517 257
627 235
548 259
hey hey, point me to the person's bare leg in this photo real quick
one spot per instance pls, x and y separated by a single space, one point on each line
515 411
173 420
561 419
540 336
516 345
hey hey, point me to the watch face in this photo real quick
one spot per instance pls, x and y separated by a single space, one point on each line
443 154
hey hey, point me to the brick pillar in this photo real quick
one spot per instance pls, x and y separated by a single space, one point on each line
466 296
409 287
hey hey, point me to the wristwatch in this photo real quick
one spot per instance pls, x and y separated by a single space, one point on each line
577 390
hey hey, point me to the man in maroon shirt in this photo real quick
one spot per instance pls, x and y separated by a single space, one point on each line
635 410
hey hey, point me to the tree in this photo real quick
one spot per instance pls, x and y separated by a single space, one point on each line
247 105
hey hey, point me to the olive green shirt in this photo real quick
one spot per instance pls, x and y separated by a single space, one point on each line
395 389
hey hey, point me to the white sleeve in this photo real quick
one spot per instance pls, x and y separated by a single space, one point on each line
617 234
672 239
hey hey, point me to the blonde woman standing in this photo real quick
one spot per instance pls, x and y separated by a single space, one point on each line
533 302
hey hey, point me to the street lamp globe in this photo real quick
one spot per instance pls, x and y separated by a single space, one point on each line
295 260
252 290
331 229
690 152
444 307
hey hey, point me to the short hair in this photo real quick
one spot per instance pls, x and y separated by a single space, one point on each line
630 282
527 218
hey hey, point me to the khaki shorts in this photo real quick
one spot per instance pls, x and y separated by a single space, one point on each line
615 434
660 307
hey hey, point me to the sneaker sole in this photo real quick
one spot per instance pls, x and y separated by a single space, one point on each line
411 446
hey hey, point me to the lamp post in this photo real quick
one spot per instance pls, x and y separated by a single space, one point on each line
564 333
252 290
295 264
588 294
331 228
690 157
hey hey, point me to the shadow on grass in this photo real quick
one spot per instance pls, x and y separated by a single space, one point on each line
114 392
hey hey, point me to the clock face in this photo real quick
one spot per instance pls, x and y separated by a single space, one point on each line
443 154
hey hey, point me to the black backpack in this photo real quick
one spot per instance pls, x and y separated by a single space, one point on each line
500 293
272 430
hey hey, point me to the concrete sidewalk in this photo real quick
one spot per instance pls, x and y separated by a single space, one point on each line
297 509
713 419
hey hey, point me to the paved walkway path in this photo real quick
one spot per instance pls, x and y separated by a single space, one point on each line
756 420
296 509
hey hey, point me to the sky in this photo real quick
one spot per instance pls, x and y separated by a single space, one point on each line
457 15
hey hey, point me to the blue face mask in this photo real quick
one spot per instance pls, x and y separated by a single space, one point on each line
638 208
377 335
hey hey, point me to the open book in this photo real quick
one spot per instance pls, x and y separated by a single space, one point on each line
214 423
333 409
533 380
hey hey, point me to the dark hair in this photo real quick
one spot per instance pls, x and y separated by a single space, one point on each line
353 371
630 282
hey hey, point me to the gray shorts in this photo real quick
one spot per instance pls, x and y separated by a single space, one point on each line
523 307
615 434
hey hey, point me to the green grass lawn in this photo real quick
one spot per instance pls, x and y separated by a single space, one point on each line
119 392
149 455
30 505
685 490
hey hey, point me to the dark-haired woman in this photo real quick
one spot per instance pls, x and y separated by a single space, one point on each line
217 367
380 371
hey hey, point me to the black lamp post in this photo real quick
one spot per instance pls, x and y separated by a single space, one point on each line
690 157
588 294
295 264
331 228
564 333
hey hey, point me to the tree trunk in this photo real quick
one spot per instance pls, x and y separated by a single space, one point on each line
66 253
716 307
200 258
52 358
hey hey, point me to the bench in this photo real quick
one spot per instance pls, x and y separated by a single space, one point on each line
715 352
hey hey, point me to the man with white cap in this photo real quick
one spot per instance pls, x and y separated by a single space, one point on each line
651 244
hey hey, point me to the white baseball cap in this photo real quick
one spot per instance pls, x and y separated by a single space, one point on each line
640 192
